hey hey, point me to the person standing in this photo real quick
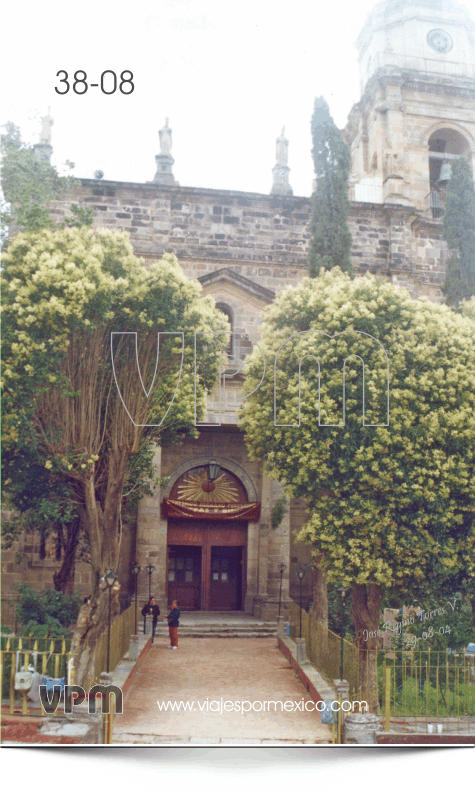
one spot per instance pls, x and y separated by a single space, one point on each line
173 623
152 609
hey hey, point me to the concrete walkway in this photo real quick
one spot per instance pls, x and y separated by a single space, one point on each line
204 671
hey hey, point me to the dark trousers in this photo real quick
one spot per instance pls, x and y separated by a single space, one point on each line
154 628
173 634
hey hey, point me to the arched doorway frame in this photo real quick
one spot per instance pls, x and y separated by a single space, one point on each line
252 495
203 460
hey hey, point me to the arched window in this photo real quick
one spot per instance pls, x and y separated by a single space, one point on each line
228 312
445 146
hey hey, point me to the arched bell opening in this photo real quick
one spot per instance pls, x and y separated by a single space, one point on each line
445 146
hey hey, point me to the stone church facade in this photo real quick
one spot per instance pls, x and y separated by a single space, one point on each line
415 116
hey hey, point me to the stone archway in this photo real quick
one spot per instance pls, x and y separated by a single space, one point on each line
203 460
207 538
266 547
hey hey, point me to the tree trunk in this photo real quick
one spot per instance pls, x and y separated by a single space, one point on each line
92 622
104 536
63 579
365 611
319 609
473 611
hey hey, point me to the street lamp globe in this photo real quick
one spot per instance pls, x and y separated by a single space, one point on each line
110 578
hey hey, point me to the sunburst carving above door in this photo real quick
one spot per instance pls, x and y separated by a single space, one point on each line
198 488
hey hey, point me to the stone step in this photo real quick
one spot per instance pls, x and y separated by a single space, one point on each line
221 626
216 631
268 623
207 628
218 635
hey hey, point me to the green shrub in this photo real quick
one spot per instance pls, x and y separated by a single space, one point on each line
46 608
52 628
5 630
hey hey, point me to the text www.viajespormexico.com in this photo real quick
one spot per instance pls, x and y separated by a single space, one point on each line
221 706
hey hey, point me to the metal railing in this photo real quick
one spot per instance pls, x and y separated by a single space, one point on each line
323 648
428 688
121 630
425 65
50 657
435 204
416 689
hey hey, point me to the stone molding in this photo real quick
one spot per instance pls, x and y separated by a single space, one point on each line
203 460
225 274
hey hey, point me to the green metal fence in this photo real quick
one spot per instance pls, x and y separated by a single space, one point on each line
323 648
417 689
121 629
420 689
50 657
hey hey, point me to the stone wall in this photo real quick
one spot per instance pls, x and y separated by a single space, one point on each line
23 563
262 238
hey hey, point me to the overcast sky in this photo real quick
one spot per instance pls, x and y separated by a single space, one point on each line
228 76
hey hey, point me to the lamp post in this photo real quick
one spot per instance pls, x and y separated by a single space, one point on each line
213 470
110 579
282 568
149 569
135 570
300 574
342 594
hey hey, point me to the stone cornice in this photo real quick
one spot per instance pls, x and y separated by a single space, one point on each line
225 274
178 193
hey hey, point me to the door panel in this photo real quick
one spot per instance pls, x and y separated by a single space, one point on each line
225 587
188 538
184 576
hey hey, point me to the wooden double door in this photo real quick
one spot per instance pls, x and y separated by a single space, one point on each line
207 566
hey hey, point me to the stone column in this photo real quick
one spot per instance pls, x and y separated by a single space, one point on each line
395 167
280 172
164 173
252 566
342 689
43 152
264 524
151 543
276 548
301 650
361 728
134 647
164 160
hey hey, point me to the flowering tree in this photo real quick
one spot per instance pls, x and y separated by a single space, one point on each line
390 506
84 408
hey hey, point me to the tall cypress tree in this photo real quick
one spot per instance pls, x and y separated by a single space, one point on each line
459 233
330 245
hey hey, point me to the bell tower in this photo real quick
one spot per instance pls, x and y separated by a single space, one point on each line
417 108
